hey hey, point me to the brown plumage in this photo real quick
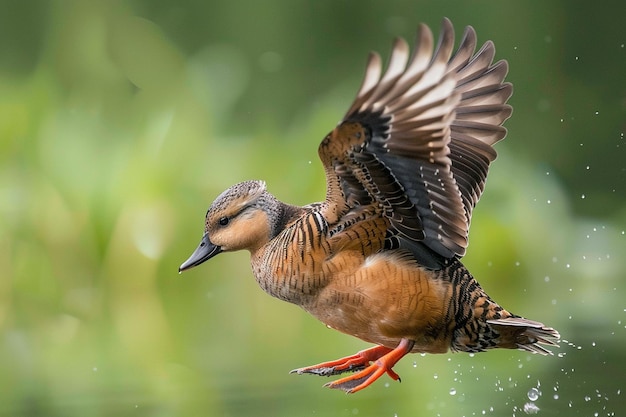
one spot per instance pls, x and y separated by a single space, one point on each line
379 257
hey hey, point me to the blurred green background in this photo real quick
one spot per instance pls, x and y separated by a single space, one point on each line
120 121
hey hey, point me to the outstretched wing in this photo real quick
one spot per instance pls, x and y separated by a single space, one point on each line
479 116
417 141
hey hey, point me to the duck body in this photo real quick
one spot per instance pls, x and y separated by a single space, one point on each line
379 258
377 296
346 278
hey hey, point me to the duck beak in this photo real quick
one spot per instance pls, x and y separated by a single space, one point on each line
205 251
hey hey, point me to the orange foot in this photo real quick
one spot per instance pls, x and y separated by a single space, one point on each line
371 363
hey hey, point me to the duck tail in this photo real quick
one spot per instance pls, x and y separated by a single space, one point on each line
524 334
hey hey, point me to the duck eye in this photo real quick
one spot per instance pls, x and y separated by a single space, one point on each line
223 221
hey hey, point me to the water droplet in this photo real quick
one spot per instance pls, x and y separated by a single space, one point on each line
531 408
452 391
533 394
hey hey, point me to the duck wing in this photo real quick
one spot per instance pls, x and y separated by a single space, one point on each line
417 142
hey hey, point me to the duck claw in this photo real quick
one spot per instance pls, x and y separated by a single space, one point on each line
326 370
353 363
359 380
368 365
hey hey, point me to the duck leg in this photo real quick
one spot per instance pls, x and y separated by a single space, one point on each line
351 363
371 363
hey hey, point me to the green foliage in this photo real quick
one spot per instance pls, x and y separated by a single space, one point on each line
121 120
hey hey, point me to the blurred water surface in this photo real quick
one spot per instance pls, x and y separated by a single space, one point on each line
120 121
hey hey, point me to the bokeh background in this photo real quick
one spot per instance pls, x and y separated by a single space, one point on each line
121 120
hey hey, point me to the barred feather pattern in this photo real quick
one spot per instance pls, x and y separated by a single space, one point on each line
418 141
335 275
480 324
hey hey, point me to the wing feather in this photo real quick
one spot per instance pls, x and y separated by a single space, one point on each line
417 142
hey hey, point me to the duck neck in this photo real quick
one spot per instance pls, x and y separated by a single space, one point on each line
279 214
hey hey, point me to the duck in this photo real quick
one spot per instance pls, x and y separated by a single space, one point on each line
380 258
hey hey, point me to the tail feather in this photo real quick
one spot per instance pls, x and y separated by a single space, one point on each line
532 337
534 348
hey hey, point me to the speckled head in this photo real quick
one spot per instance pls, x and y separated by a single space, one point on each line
242 217
232 201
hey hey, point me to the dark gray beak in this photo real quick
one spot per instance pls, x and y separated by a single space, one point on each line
205 251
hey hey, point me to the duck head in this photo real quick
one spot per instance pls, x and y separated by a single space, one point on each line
245 216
